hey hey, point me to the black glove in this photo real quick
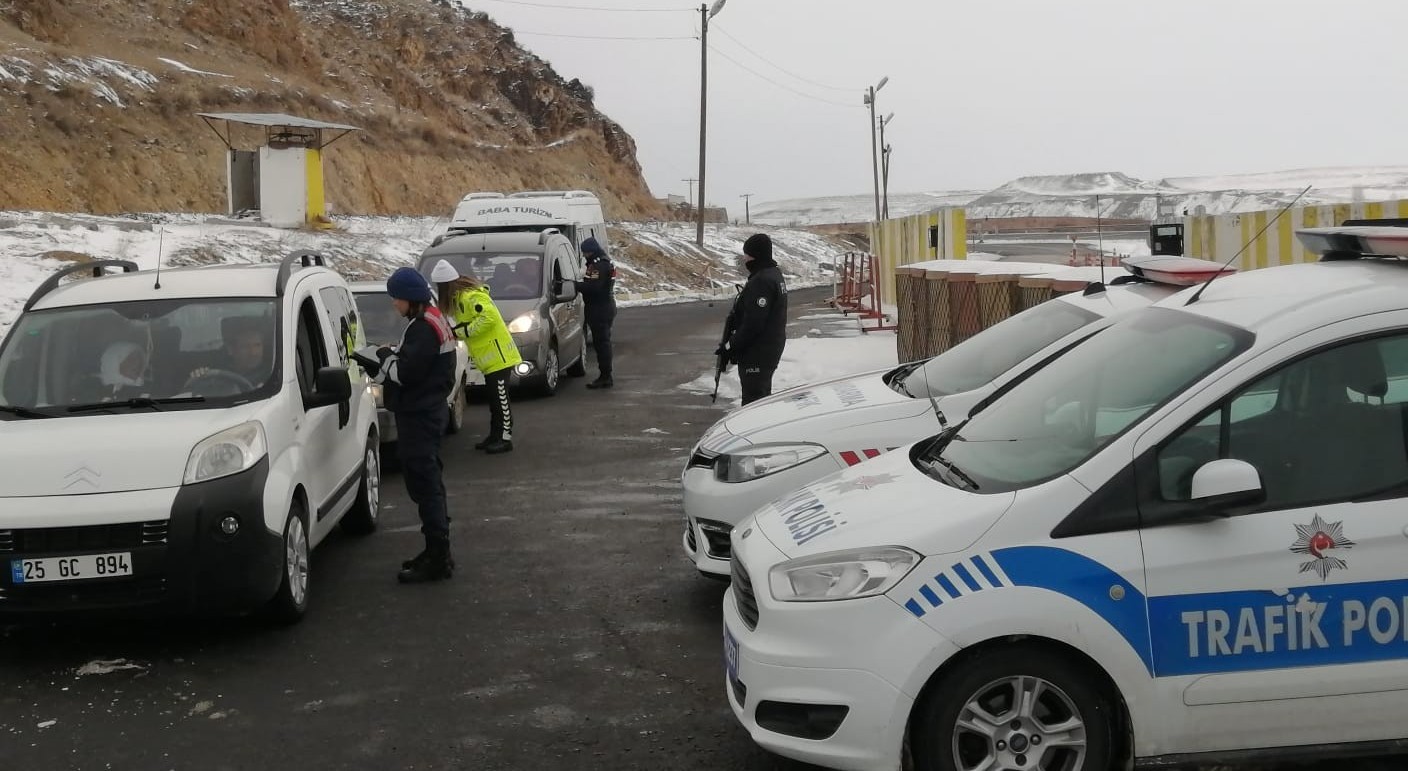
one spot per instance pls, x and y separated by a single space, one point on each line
384 352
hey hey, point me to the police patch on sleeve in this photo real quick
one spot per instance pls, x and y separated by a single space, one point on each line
762 302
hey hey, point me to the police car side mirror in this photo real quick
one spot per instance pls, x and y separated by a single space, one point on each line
332 385
1227 484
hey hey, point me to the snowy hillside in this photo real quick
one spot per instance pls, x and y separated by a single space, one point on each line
1121 196
650 258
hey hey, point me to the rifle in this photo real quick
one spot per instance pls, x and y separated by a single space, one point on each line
721 363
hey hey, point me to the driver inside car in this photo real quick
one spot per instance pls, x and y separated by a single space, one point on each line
242 355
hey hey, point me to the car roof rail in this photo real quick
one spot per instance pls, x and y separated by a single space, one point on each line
305 258
99 268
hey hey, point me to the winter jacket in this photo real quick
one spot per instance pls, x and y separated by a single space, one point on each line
478 323
598 290
759 318
419 374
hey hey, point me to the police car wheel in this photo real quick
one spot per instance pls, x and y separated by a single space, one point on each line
362 519
290 602
548 381
1019 708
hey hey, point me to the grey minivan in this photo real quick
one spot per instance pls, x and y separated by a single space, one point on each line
530 276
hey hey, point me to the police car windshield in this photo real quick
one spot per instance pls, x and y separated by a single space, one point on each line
980 359
379 319
127 354
508 276
1063 414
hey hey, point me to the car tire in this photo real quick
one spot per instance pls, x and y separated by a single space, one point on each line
552 373
976 717
579 367
290 602
365 513
456 421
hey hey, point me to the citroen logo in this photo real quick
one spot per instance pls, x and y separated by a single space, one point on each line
82 475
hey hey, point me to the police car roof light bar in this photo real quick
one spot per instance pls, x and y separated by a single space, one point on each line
305 259
1248 244
1352 242
98 267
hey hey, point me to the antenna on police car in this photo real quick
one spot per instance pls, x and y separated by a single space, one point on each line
1246 246
160 240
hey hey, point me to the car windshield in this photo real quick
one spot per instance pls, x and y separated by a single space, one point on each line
137 355
1062 415
381 324
509 276
980 359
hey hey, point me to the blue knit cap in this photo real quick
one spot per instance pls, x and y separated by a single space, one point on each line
409 285
590 247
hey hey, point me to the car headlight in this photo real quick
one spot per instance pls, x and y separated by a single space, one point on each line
525 323
376 394
226 453
843 575
755 462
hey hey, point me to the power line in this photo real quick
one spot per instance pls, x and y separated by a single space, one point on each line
606 37
782 86
777 66
593 7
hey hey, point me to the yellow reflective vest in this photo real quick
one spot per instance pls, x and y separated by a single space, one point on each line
478 323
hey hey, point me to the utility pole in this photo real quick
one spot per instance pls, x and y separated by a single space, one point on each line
874 151
747 207
691 182
885 168
705 14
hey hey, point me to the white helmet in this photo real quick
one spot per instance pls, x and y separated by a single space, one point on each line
444 273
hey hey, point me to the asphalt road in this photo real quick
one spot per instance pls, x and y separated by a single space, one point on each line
574 635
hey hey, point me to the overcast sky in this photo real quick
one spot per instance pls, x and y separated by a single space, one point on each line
986 90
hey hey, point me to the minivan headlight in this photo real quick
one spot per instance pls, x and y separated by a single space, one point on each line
226 453
842 575
756 462
525 323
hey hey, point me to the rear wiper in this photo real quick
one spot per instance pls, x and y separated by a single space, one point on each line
23 412
139 401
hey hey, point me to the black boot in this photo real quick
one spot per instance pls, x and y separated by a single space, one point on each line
413 561
498 447
488 440
602 382
436 565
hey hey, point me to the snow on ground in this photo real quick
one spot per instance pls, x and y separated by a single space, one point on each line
191 70
35 244
834 347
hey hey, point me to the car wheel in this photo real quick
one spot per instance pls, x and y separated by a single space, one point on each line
552 376
362 519
290 602
1020 707
579 367
457 410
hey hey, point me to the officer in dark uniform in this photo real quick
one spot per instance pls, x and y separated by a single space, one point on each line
417 377
758 321
598 292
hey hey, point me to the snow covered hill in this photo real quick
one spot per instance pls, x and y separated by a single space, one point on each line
1121 196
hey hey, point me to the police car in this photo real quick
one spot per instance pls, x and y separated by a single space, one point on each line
769 448
1183 541
382 325
181 440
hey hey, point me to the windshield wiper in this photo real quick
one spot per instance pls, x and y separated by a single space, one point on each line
955 471
23 412
139 401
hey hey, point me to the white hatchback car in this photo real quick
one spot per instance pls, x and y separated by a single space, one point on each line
1180 543
763 451
181 441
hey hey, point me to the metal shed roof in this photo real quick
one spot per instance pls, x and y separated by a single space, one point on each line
275 119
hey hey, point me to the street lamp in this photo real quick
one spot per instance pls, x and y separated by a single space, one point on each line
874 152
885 168
705 14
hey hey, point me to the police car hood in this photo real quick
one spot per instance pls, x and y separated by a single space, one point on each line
882 502
103 453
861 397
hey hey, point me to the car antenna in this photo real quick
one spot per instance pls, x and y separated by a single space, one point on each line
1245 246
160 239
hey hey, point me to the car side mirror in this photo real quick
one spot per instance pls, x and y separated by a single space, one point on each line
332 385
566 293
1227 484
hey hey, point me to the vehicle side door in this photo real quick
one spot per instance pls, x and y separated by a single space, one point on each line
318 430
1254 609
569 316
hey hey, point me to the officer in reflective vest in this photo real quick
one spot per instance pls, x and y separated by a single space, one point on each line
418 376
476 321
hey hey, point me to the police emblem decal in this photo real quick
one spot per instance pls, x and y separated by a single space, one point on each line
1317 539
868 482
